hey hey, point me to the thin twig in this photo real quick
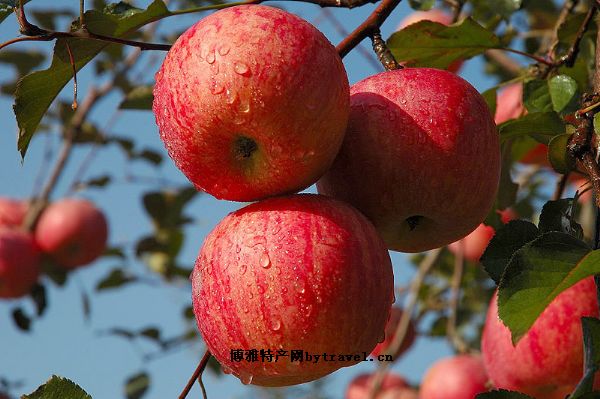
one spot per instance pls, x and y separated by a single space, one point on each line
459 267
415 286
539 60
504 61
383 53
569 58
364 30
72 61
196 375
82 14
567 9
560 186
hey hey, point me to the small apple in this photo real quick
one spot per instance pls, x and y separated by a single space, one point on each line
12 212
360 387
473 246
252 102
73 232
398 393
457 377
421 157
434 15
390 329
19 263
509 103
547 362
299 273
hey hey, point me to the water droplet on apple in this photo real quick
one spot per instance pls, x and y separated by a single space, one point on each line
230 96
226 370
246 310
217 88
243 269
210 57
241 69
224 49
275 325
244 106
250 295
246 378
265 261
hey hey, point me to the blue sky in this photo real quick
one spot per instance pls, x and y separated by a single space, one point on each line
63 342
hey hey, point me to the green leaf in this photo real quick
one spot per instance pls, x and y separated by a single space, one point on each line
137 385
597 124
560 216
537 273
151 156
563 92
116 278
38 294
537 124
7 7
504 8
559 156
502 394
23 61
139 98
22 321
508 239
58 388
421 5
36 91
431 44
490 97
536 96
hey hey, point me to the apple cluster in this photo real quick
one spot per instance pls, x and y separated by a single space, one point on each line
70 233
253 104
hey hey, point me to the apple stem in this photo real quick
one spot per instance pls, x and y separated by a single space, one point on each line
384 54
197 375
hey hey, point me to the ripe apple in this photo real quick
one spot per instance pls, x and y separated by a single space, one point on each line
473 246
509 103
12 212
303 272
390 329
73 232
421 157
434 15
19 263
398 393
392 386
457 377
252 102
547 362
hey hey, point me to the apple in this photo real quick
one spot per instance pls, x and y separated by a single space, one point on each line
509 103
421 157
390 329
392 386
19 263
456 377
12 212
73 232
547 362
298 273
434 15
473 245
252 102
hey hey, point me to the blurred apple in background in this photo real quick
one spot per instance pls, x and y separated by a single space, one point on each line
457 377
393 386
12 211
19 263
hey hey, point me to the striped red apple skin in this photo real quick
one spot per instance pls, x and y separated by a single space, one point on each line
303 272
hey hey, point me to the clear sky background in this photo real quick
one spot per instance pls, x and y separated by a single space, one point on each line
63 342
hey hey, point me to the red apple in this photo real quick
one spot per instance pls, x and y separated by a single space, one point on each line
421 157
19 263
303 272
473 246
12 212
399 393
509 103
390 329
360 386
434 15
252 102
457 377
547 362
73 232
